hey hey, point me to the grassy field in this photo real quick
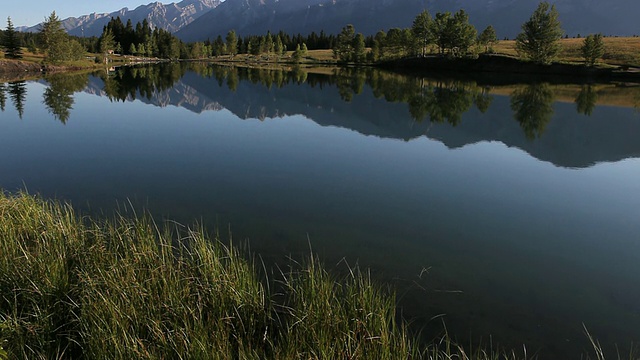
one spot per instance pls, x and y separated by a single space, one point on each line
618 50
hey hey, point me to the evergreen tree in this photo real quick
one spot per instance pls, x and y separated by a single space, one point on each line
278 46
107 44
358 48
232 43
344 44
52 38
539 40
268 44
297 54
11 42
439 29
379 45
487 38
132 49
592 49
141 50
421 30
462 33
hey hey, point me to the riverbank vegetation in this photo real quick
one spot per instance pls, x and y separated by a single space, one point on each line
72 287
123 289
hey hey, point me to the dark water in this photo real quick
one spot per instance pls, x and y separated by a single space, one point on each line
510 212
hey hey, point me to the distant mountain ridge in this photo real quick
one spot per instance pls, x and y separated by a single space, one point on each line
171 17
246 17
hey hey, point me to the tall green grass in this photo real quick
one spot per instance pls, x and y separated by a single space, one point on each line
123 289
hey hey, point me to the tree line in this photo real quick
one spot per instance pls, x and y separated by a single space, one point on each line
451 34
446 34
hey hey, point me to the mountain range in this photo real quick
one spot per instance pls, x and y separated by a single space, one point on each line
171 17
613 17
197 20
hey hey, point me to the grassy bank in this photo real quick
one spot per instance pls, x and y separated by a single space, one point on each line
125 289
71 287
33 65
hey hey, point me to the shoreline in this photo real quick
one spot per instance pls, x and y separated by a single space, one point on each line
487 69
492 69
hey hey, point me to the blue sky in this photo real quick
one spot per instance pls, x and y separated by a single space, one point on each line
32 12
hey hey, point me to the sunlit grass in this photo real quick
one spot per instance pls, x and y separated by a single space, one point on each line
618 50
124 289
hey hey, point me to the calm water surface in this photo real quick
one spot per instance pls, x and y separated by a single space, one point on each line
509 212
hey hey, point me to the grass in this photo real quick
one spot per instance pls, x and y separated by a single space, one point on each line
619 51
122 289
72 287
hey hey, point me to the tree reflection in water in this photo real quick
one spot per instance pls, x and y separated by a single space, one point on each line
586 100
18 94
532 107
3 96
58 97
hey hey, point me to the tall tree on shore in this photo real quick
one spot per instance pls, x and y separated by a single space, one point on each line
592 49
453 33
11 43
232 43
56 44
51 38
107 44
539 40
421 30
359 48
344 44
487 38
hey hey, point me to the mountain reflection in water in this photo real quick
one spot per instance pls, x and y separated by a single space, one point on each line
515 198
435 108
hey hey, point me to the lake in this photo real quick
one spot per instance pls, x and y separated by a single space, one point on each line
507 212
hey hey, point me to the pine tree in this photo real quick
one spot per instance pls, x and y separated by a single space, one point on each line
53 39
592 49
11 42
487 38
107 44
421 30
344 44
297 54
232 43
539 40
358 48
278 47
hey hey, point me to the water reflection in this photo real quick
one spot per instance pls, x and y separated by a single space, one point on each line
18 94
586 100
58 97
384 178
128 83
3 96
532 107
371 102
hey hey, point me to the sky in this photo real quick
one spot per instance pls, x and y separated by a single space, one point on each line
32 12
